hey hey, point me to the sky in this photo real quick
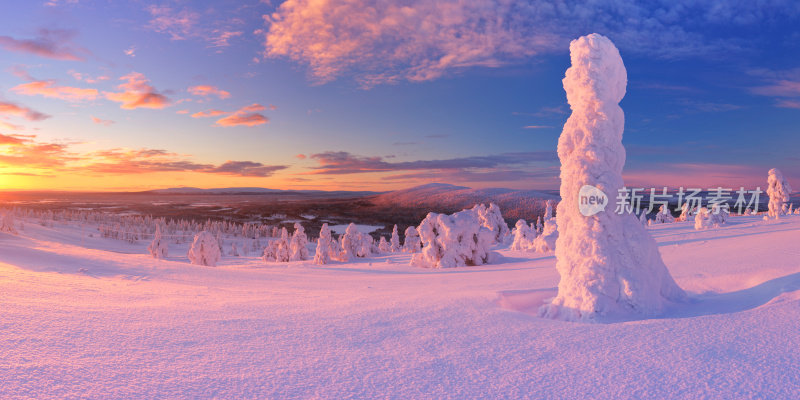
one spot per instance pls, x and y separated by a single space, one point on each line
378 95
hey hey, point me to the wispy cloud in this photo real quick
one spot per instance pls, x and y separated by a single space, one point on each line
49 88
209 113
9 108
245 116
50 43
137 93
178 24
246 168
208 90
342 162
99 121
536 127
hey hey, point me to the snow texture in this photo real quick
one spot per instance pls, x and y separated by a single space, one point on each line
610 266
205 250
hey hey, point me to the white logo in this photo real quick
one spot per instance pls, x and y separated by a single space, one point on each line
591 200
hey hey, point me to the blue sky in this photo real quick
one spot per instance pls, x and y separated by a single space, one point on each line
364 94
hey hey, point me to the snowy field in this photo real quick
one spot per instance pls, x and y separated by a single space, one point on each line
90 317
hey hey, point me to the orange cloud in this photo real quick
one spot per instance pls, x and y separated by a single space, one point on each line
207 90
9 126
137 93
99 121
245 116
49 88
8 108
209 113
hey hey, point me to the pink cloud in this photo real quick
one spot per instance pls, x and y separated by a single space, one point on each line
789 104
8 108
222 38
209 113
49 88
245 116
99 121
178 25
207 90
55 44
137 93
417 40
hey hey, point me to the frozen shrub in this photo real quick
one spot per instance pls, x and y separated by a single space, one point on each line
778 190
413 243
718 215
158 247
278 250
455 240
384 246
547 240
395 241
205 250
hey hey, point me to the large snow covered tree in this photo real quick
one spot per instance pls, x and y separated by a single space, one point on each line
205 250
778 190
158 247
609 264
492 219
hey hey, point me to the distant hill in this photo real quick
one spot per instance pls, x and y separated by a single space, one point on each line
258 190
443 197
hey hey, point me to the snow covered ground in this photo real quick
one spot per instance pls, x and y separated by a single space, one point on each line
99 318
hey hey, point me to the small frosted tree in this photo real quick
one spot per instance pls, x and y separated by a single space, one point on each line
384 246
548 239
523 236
702 219
205 250
413 243
158 247
324 246
7 223
778 190
395 241
298 247
351 243
664 216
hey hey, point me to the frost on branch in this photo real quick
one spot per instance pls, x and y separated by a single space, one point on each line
610 266
455 240
778 190
205 250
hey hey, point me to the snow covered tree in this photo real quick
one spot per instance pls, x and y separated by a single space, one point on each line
455 240
298 250
384 246
523 236
718 215
324 246
7 223
205 250
778 190
608 262
395 241
548 239
492 219
664 216
702 219
413 243
278 250
643 218
158 247
352 243
548 212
